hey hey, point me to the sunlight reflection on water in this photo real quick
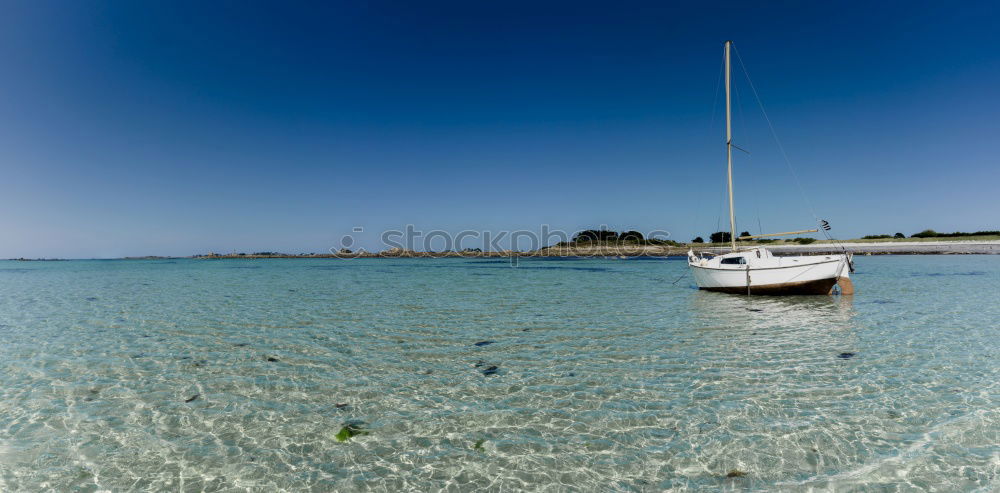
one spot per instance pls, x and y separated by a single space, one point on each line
208 375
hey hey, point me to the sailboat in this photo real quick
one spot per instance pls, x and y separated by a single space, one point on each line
755 270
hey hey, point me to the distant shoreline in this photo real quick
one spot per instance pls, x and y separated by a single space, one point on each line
991 247
858 247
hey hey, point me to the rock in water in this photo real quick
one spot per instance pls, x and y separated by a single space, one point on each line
351 429
736 473
192 398
484 343
845 355
491 371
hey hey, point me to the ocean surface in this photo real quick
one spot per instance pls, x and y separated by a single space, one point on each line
473 375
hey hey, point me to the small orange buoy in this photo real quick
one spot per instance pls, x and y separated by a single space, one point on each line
845 285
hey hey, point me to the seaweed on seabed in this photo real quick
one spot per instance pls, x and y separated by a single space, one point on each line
351 429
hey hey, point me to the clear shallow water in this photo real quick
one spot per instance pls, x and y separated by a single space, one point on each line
608 377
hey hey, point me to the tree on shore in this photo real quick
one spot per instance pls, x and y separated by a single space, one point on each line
605 237
899 235
930 233
595 235
698 239
720 237
631 236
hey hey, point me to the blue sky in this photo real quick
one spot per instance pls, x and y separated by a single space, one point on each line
178 128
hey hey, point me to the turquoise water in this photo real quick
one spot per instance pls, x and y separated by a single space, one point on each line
608 377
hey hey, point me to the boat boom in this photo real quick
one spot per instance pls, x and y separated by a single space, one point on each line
747 237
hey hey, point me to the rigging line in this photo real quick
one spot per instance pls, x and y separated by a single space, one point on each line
717 221
743 125
781 148
743 118
723 191
711 125
718 84
774 135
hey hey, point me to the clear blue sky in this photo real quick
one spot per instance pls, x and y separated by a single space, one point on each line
174 128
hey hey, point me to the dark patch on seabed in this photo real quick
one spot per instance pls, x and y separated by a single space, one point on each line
352 428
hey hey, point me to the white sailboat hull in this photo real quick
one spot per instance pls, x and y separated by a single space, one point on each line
761 273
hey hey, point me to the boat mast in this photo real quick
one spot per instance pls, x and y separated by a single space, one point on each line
729 152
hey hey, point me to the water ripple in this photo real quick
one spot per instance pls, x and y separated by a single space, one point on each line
145 376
